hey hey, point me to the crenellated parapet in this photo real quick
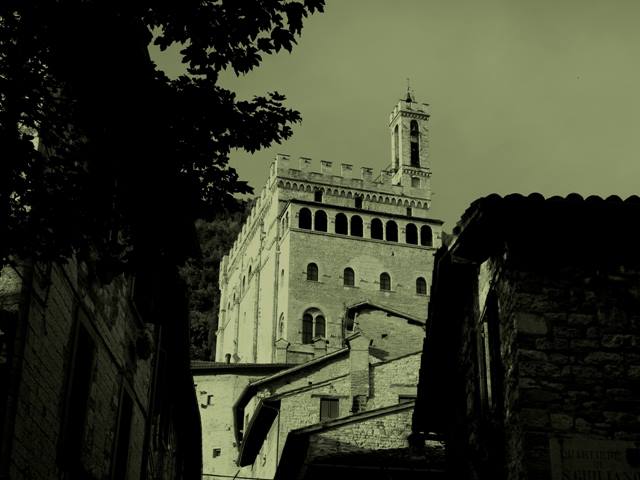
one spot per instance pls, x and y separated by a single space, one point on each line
327 176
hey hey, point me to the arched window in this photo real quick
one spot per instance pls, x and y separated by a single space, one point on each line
392 231
411 232
321 221
243 284
307 328
312 272
349 277
281 325
249 270
385 281
313 325
414 136
415 182
317 195
356 226
396 148
421 286
376 229
426 236
342 226
320 326
304 219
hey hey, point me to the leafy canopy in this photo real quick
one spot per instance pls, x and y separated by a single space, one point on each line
128 158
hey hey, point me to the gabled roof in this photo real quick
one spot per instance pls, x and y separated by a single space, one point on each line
294 453
378 306
253 387
568 228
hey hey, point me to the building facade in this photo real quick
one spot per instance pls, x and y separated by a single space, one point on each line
319 241
94 380
347 404
532 343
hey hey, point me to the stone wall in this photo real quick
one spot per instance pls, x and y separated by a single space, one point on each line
393 379
368 258
260 278
385 431
59 297
300 395
216 396
577 334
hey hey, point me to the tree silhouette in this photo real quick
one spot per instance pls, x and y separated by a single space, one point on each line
127 158
201 276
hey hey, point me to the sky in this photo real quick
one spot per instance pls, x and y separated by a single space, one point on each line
526 96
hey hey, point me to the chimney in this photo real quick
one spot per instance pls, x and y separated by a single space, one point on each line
281 350
359 367
319 347
346 170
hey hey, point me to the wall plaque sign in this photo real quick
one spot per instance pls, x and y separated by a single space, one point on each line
582 458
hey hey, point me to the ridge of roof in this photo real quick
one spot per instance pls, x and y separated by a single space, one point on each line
494 199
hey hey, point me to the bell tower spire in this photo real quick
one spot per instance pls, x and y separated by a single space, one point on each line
409 129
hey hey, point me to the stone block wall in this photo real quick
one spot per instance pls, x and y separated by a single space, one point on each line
392 379
332 254
216 396
58 298
577 352
378 432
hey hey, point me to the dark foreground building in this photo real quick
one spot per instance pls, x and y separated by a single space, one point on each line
94 376
531 365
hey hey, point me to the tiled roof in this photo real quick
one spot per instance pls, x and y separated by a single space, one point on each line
570 227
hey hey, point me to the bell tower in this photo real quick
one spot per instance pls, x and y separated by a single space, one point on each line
409 128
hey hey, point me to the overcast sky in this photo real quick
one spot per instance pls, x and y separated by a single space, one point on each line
526 96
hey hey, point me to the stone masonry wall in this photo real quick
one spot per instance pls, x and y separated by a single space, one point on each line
392 379
216 396
368 259
56 295
391 336
577 335
373 433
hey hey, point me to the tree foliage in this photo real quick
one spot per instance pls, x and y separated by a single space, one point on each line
201 275
128 157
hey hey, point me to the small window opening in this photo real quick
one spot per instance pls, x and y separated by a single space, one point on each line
312 272
385 281
329 408
349 277
421 286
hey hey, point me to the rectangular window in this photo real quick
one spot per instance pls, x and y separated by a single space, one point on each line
77 397
358 201
123 434
216 452
329 408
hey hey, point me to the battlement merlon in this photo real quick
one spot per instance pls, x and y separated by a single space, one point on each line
305 169
420 110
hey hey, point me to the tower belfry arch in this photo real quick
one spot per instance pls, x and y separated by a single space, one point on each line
409 129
